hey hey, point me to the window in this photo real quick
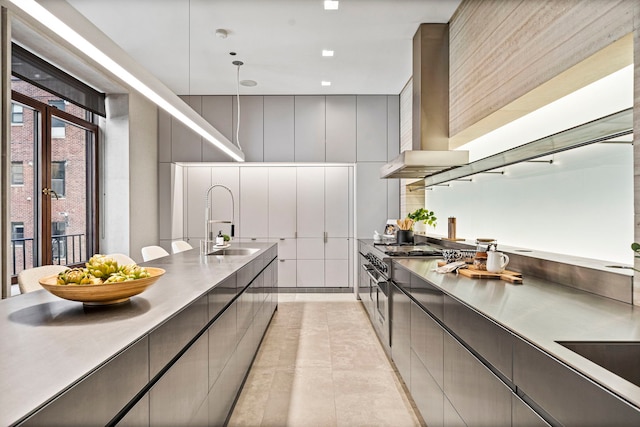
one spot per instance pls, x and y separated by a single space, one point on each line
17 116
17 231
17 173
57 125
58 172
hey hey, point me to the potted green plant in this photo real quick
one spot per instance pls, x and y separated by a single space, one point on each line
424 216
635 247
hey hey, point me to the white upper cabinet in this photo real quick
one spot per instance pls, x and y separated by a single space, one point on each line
282 202
372 128
254 202
229 176
310 201
341 128
310 128
251 127
336 201
198 181
278 129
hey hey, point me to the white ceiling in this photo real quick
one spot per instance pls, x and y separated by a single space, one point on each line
279 41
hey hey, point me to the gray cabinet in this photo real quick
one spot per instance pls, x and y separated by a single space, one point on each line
426 393
427 295
427 341
371 128
393 127
474 391
489 340
401 333
222 342
217 110
173 335
186 145
177 396
279 129
451 416
116 383
567 396
523 416
310 128
251 127
341 128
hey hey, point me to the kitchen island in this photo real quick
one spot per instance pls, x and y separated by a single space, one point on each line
487 352
177 353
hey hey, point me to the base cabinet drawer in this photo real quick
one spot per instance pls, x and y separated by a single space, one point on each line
427 342
485 337
116 383
177 396
524 416
426 393
477 394
401 333
567 396
451 416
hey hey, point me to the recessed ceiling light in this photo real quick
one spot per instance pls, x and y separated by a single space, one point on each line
327 52
331 4
325 83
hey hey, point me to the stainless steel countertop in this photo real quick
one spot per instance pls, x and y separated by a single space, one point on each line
49 344
542 313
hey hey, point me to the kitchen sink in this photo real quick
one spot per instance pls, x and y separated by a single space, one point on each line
619 357
234 251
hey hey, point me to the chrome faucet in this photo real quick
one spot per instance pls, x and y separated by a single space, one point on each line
208 229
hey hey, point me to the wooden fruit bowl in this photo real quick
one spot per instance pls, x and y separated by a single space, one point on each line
104 293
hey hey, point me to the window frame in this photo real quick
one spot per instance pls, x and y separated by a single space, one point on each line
14 174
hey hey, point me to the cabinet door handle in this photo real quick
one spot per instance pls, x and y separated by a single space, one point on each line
281 260
326 236
282 238
253 238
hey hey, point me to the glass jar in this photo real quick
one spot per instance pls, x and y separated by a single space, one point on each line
482 247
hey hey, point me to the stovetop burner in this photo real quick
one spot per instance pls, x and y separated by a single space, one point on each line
394 244
414 253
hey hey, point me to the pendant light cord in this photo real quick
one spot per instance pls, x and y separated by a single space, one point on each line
238 97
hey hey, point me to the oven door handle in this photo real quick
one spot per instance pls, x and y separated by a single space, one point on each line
375 279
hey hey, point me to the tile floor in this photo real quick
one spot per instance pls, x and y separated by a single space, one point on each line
320 364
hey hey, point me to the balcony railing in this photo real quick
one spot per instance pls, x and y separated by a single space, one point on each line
66 249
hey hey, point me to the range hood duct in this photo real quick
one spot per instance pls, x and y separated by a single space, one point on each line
430 115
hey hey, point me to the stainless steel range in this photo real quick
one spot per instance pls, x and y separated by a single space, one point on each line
375 276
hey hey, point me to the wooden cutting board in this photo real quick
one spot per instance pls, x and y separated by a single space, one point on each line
473 273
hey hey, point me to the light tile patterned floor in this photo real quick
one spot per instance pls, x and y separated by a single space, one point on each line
321 364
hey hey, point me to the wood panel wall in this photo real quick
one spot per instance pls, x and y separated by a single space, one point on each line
502 50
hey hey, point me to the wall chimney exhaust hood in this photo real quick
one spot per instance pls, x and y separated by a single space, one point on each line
430 140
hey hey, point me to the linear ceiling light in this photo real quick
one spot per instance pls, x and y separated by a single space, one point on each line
52 22
325 83
331 4
327 52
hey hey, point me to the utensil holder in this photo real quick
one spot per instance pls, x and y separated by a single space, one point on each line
404 236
